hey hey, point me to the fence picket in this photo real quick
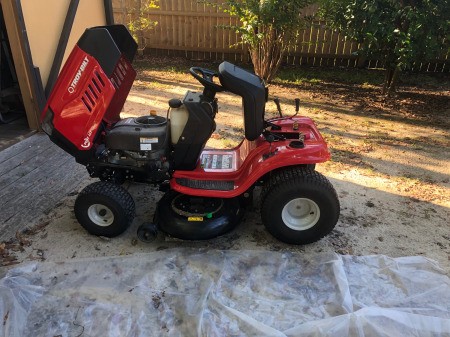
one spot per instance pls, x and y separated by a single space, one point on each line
190 28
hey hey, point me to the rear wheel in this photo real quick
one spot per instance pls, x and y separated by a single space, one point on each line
104 209
299 206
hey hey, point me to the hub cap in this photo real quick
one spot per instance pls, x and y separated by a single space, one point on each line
100 215
300 214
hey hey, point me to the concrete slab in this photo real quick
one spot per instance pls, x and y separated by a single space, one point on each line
35 175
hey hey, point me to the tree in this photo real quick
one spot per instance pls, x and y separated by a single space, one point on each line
138 21
268 28
399 32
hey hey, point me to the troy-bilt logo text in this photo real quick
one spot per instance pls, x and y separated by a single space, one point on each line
86 142
77 77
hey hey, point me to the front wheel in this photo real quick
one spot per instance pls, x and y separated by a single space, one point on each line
104 209
299 206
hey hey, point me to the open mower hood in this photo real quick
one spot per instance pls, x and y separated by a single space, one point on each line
91 88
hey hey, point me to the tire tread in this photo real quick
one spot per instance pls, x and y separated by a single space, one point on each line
295 173
115 192
281 181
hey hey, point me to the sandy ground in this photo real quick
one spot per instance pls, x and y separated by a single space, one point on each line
391 175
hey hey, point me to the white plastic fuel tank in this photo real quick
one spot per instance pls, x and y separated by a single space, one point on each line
178 119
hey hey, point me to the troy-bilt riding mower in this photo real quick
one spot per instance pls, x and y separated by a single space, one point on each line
206 190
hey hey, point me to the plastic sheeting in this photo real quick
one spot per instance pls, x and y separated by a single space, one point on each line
235 293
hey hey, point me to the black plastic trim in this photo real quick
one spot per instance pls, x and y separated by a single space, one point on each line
107 44
198 129
215 185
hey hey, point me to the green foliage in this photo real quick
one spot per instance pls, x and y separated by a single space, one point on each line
257 16
399 32
268 28
138 20
300 75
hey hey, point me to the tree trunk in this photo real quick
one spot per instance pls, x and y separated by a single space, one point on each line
393 85
268 54
387 80
361 62
389 75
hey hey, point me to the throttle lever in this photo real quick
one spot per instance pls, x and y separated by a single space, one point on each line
277 102
297 106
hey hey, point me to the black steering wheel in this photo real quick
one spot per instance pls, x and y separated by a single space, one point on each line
205 77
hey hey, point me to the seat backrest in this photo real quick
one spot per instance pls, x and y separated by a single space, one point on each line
253 92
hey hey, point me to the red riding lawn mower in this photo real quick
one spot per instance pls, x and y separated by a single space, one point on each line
206 190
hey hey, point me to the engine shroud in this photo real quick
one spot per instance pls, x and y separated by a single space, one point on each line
142 134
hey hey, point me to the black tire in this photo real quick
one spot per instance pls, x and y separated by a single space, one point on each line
299 206
147 232
104 209
178 224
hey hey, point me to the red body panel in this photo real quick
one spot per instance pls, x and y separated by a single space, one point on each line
252 160
84 96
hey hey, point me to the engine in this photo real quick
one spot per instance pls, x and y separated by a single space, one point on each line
135 149
141 139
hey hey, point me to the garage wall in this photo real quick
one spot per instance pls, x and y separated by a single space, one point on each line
44 21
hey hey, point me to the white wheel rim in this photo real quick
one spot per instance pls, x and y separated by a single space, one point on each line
100 215
300 214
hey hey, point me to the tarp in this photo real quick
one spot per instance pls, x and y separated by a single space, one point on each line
184 292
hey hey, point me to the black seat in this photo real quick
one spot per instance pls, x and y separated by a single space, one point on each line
253 92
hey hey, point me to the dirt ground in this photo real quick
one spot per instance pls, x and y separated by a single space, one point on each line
390 167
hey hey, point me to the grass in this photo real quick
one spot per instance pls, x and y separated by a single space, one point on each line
142 85
366 78
297 75
430 80
300 75
173 67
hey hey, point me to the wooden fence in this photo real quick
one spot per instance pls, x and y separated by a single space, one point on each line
191 29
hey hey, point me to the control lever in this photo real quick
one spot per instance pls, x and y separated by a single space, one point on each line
297 105
277 102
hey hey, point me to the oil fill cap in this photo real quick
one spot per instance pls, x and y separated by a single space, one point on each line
150 120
